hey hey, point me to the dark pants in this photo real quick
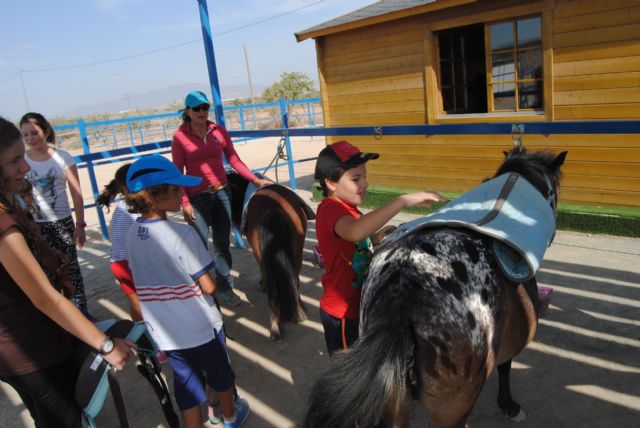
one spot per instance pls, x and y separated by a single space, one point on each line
213 211
49 395
338 333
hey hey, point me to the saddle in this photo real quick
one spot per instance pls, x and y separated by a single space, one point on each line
250 192
507 209
97 377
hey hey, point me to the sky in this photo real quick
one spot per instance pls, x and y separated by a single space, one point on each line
42 42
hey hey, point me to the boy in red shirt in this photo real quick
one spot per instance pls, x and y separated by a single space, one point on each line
344 236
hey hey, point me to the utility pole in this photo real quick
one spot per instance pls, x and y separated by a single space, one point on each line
246 62
251 97
24 91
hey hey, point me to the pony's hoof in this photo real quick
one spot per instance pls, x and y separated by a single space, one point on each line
520 417
274 336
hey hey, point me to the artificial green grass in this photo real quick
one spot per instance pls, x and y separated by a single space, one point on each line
619 221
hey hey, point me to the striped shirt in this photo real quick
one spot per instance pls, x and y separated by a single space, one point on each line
121 221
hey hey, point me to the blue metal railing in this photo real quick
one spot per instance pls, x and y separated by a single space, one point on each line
110 135
120 154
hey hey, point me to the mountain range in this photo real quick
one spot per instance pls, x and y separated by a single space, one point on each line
159 98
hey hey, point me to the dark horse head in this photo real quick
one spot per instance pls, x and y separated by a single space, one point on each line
437 316
541 169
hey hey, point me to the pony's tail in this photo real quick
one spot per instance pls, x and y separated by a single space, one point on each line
279 276
358 383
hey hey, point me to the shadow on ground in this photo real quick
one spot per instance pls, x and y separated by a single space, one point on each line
581 370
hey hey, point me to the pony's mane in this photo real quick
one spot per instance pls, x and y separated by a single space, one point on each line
532 166
238 186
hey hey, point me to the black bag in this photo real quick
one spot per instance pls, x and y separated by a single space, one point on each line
97 377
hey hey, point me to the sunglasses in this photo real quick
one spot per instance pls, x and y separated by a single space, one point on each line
204 107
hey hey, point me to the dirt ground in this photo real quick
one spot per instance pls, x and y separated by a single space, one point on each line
582 369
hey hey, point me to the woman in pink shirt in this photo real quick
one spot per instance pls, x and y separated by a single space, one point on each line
197 150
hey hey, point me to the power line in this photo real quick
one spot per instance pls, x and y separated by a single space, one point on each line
90 64
10 77
269 18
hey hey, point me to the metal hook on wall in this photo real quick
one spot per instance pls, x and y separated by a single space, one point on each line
377 133
517 133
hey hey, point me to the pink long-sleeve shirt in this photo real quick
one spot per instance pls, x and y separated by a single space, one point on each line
202 157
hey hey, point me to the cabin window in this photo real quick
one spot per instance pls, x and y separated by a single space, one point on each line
462 70
495 67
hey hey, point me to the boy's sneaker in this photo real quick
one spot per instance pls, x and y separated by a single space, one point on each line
229 298
214 413
242 411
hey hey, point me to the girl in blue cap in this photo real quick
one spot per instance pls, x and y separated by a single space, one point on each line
170 268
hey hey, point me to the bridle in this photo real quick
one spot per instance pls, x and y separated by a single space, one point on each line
551 194
552 200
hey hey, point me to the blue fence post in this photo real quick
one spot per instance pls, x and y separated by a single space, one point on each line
131 134
241 116
207 39
92 177
308 114
287 142
115 139
141 135
164 132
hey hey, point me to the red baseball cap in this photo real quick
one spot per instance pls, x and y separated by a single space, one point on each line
340 154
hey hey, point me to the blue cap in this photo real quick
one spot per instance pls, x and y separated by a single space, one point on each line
152 170
196 98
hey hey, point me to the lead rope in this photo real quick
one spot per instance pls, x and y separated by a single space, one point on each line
280 154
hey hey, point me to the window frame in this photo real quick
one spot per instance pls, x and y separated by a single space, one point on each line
516 53
435 112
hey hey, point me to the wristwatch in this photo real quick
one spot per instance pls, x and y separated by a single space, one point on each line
106 346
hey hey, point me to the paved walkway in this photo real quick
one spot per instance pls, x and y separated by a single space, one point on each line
581 370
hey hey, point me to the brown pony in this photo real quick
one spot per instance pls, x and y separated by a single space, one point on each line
437 315
275 224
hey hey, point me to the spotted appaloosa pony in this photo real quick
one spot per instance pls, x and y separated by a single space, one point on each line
275 226
437 316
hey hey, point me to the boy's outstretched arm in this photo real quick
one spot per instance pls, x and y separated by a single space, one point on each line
355 230
207 283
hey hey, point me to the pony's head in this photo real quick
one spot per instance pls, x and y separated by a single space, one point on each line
541 169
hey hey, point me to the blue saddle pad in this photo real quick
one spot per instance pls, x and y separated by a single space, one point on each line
507 208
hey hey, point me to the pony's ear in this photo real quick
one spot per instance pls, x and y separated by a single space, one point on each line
558 161
506 154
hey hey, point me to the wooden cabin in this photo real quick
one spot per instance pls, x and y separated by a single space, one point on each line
401 62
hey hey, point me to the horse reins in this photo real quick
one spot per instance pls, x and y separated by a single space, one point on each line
280 154
552 200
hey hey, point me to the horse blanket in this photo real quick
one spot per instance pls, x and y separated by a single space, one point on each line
509 210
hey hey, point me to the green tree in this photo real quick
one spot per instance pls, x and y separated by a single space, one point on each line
291 86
